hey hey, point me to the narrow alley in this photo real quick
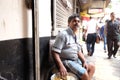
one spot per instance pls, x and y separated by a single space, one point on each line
106 69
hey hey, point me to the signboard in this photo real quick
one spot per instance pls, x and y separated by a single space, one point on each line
95 10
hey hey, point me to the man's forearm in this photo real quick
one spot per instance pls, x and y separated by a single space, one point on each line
81 56
57 59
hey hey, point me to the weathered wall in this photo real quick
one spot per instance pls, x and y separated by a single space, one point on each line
15 20
16 51
16 42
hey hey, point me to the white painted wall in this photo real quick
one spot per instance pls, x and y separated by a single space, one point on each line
15 20
44 18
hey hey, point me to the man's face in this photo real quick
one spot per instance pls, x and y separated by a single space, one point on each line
74 24
112 16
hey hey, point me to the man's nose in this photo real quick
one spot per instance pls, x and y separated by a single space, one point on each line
77 22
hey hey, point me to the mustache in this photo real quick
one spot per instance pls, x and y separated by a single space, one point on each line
76 25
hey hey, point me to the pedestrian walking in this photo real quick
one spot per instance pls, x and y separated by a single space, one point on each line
91 32
113 35
103 36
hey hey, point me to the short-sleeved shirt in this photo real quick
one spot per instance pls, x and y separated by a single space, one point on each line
113 29
66 45
91 26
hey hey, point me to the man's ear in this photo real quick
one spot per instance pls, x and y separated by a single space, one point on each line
68 23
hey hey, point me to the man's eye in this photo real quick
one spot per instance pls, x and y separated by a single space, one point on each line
76 21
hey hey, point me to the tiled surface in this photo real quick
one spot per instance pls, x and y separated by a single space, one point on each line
106 69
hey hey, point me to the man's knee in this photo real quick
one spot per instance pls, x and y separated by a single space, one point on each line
89 74
92 67
85 76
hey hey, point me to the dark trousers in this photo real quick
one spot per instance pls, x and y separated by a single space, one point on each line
90 42
113 46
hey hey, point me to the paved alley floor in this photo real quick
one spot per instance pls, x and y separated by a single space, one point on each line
106 69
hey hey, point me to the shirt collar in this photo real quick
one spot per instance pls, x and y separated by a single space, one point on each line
70 31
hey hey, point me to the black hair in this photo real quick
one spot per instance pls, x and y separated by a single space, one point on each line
106 20
72 17
111 13
90 17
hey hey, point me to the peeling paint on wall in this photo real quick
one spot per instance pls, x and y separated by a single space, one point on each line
14 20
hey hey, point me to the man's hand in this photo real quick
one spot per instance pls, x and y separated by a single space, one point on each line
85 65
63 71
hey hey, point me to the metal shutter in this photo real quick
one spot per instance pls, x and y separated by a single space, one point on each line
62 13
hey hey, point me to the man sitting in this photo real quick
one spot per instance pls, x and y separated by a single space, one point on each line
67 52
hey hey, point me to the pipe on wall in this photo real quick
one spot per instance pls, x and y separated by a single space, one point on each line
35 23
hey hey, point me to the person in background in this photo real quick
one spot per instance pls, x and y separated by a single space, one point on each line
67 53
113 35
103 36
90 32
